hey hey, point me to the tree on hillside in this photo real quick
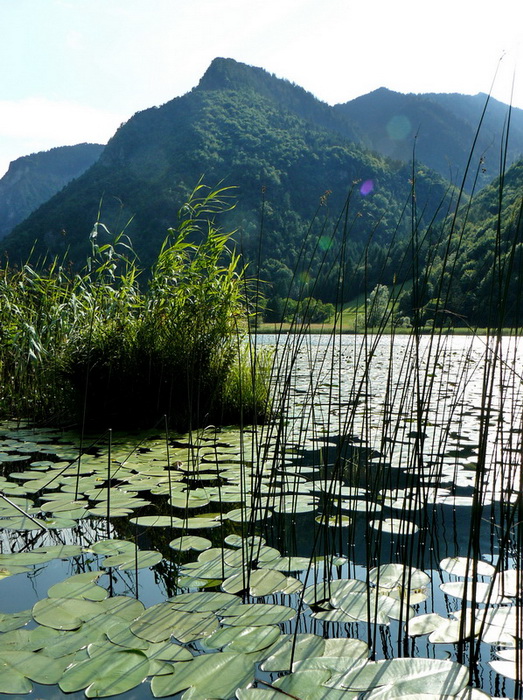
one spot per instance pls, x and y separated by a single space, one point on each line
377 305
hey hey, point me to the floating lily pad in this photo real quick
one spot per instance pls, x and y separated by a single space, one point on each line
109 547
65 613
107 674
79 586
163 621
13 621
19 668
462 566
217 675
256 614
203 601
473 591
292 648
424 624
188 542
395 526
410 675
397 575
334 520
142 559
246 639
309 684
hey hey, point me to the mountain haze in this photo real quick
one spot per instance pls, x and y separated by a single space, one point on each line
32 180
439 131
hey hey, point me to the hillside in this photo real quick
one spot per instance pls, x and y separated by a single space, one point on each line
438 130
32 180
282 149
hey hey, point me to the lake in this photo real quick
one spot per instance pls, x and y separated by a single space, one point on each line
378 518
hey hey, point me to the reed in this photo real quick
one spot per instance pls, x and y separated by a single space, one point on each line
112 347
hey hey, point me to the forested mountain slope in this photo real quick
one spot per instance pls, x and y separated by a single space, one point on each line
439 130
32 180
287 154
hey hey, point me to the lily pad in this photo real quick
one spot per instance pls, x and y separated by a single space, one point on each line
409 675
79 586
19 668
142 559
107 674
217 675
397 575
188 542
246 639
65 613
203 601
163 621
13 621
395 526
462 566
257 614
293 648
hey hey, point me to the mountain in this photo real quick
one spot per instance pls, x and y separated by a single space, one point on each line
487 284
285 151
32 180
438 130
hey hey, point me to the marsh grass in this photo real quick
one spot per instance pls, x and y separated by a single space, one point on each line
113 347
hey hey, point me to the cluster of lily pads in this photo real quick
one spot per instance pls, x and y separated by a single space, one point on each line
217 643
249 619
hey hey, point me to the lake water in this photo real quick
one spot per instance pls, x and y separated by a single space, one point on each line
390 450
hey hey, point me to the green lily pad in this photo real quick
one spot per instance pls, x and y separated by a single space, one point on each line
163 621
395 526
143 559
424 624
245 640
110 547
256 614
152 520
107 674
473 591
79 586
168 651
462 566
397 575
19 668
371 607
13 621
309 684
203 601
65 613
217 675
409 675
188 542
292 648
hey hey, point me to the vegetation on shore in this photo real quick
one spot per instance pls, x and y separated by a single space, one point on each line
111 346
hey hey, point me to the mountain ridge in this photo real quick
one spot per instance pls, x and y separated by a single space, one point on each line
31 180
296 164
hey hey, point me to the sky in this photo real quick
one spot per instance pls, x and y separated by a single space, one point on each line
74 70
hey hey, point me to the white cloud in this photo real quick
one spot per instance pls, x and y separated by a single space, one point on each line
36 124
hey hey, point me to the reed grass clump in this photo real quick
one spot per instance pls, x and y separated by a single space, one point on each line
112 347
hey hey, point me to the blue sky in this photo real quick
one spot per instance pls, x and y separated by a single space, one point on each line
74 70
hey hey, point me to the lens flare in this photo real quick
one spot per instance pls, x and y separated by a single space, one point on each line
366 187
325 243
399 127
